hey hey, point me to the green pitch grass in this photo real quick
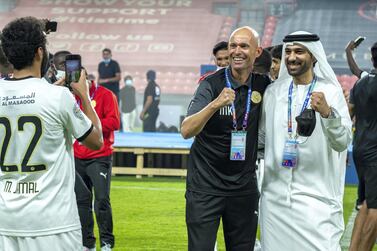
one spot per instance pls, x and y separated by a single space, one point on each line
149 214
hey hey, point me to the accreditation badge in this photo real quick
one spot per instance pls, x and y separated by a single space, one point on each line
290 154
238 145
94 103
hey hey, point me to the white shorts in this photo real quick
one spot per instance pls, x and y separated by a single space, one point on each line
68 241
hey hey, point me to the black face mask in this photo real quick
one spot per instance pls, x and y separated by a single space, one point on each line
45 63
306 123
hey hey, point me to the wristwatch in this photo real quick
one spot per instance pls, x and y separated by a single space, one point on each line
332 114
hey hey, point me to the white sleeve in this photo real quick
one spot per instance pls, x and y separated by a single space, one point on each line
74 120
262 121
338 130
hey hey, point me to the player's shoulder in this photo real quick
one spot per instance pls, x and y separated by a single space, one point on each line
261 80
40 85
114 62
101 89
264 78
368 78
213 79
51 89
205 75
104 91
276 87
215 75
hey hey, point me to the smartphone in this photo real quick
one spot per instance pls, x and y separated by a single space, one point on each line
358 41
72 69
51 26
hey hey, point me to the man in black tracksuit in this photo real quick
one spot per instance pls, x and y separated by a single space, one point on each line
221 180
151 101
363 104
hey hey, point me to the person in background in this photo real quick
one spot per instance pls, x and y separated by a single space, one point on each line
91 77
363 105
94 167
6 68
351 46
276 52
262 66
262 63
128 104
54 74
221 54
109 73
51 72
221 58
151 101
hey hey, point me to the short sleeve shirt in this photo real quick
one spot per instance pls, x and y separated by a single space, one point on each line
364 98
210 169
153 90
38 122
109 71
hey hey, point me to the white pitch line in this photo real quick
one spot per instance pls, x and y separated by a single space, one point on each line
346 239
150 188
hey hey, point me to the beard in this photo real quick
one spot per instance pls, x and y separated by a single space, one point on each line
300 68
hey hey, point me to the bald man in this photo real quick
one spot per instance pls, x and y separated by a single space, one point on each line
221 182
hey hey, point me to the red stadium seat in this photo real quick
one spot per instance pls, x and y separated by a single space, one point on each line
271 19
271 25
269 31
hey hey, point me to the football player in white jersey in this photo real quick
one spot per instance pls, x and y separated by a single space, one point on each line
38 208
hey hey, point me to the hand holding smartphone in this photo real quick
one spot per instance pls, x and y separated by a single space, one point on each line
72 69
358 41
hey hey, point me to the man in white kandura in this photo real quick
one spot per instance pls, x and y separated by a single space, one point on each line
306 129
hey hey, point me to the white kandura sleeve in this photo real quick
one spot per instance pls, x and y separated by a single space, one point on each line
338 130
262 124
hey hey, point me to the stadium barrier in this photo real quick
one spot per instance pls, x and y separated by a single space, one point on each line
140 144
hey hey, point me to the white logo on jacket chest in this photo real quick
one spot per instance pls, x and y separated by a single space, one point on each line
103 174
226 111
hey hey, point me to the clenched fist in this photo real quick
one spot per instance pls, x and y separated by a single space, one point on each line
319 104
225 98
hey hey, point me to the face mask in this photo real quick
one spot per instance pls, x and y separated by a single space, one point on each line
306 123
128 82
60 74
45 63
106 61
